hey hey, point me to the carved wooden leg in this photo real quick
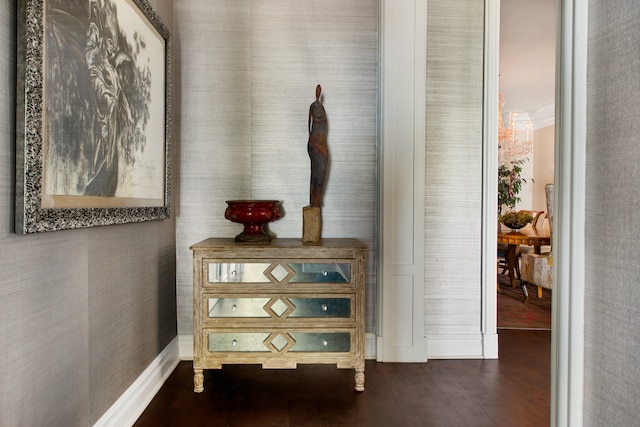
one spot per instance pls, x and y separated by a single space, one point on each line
198 381
359 379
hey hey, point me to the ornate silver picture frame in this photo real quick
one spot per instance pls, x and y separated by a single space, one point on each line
93 114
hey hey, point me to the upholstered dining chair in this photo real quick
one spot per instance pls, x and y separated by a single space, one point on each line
538 217
537 223
537 268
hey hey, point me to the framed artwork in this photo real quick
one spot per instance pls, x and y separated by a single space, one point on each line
93 115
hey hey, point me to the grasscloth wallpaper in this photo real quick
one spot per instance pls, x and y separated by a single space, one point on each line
612 318
249 70
453 166
82 312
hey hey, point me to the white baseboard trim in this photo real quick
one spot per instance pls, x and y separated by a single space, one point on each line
455 346
185 344
370 346
128 408
186 347
490 346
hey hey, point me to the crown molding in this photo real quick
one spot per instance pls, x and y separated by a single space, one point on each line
542 116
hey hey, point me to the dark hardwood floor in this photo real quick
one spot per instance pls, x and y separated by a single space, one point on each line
512 391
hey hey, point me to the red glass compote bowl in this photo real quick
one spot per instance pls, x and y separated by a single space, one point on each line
254 215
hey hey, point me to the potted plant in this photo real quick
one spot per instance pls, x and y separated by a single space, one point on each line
509 184
516 220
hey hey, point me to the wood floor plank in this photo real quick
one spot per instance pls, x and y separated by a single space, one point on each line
511 391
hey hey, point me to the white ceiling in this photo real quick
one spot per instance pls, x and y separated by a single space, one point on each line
527 58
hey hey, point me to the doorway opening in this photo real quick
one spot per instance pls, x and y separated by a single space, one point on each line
567 335
526 83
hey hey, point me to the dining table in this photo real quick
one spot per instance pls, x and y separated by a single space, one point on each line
528 236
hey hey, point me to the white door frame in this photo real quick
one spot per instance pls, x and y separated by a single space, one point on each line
567 336
567 339
489 311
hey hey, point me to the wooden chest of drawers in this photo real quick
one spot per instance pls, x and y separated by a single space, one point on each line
278 304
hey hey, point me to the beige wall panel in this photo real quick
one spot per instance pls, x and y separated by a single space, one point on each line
453 166
543 162
132 310
214 127
44 336
612 231
244 119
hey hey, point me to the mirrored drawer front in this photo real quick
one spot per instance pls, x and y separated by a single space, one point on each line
280 307
280 342
317 342
279 272
229 342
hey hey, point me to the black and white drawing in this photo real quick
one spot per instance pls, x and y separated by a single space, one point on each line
103 111
99 109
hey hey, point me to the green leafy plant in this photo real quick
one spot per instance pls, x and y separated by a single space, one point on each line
509 184
516 220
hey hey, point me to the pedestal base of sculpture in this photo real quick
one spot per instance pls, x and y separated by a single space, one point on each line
311 223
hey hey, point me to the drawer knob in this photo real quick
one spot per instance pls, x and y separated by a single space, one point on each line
325 273
234 343
324 307
233 307
324 343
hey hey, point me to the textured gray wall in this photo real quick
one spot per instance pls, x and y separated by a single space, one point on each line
453 166
83 312
612 312
248 75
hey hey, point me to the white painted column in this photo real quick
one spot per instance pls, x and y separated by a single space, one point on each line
402 117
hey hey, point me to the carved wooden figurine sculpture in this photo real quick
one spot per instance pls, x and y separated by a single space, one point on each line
317 148
319 155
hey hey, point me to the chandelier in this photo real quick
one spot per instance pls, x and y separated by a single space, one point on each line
510 146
